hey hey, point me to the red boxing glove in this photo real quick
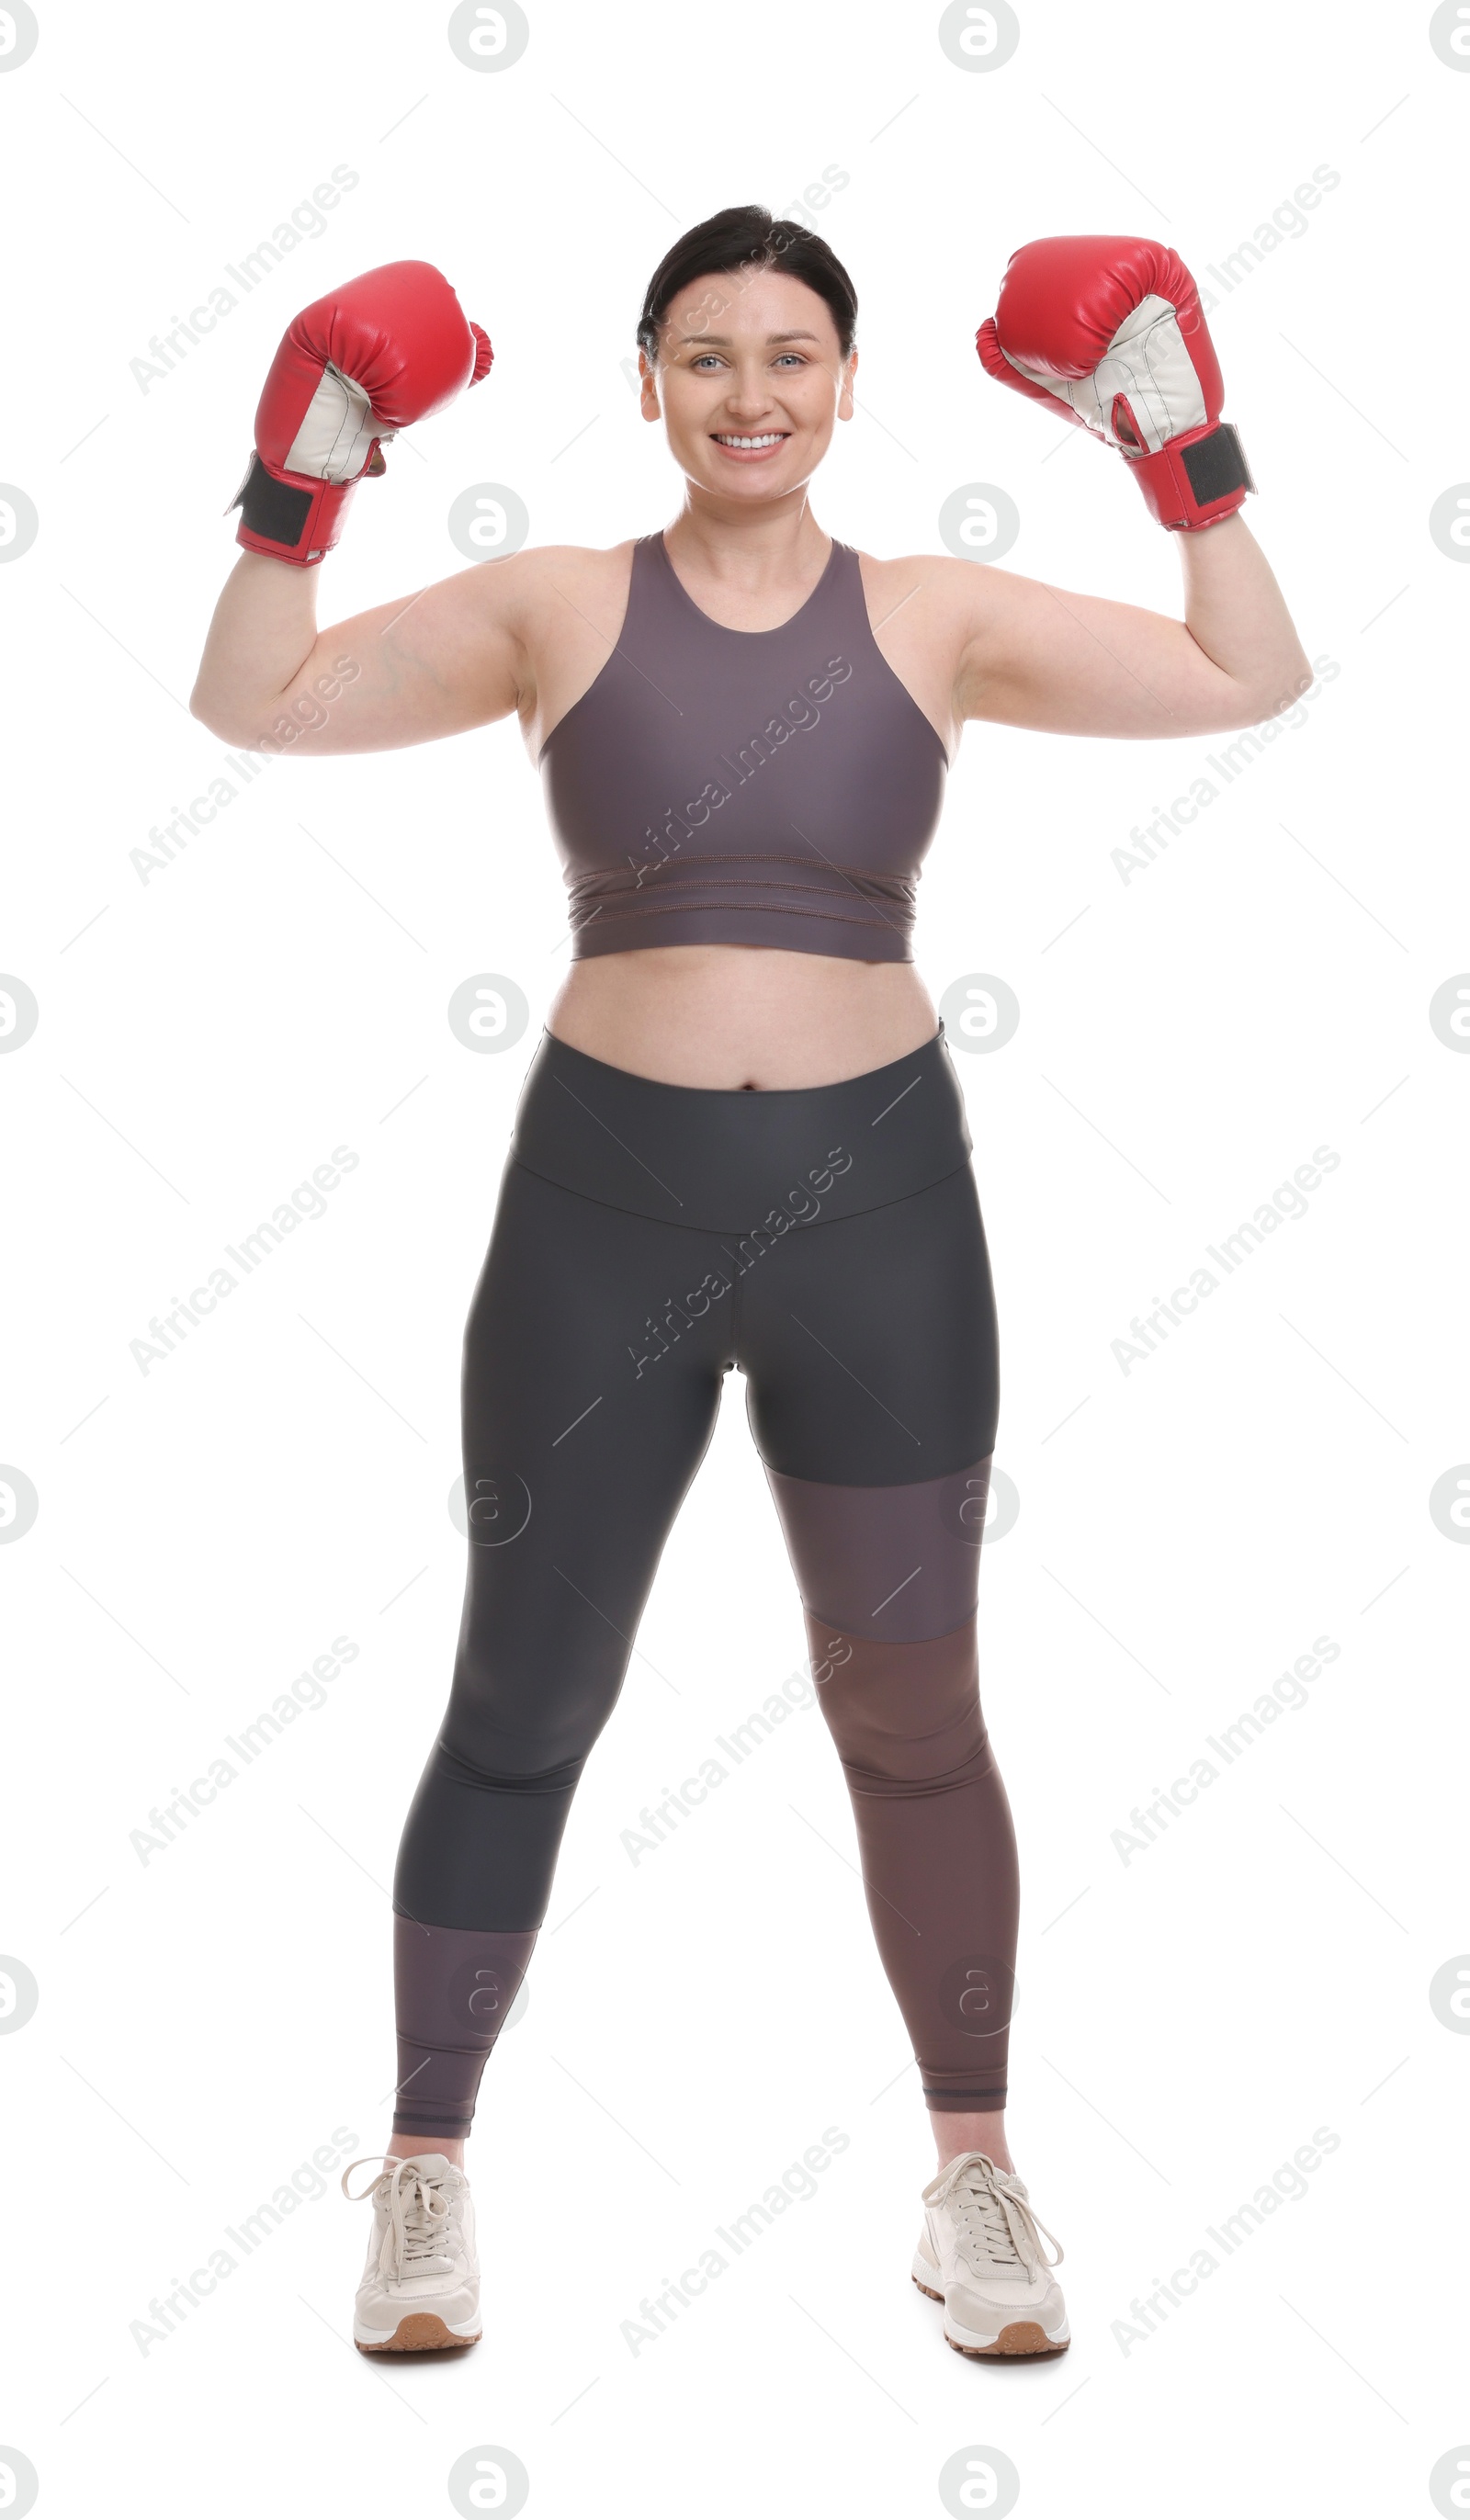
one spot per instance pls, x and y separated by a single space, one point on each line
1108 331
388 348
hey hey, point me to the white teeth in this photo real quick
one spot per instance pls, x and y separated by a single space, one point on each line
774 438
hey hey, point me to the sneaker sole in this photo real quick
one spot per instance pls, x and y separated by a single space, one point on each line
422 2332
1022 2340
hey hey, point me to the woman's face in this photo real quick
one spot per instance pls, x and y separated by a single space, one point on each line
749 382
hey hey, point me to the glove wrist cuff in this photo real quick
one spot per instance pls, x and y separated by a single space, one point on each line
289 515
1194 481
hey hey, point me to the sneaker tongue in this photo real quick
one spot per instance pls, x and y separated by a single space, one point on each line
991 2214
424 2221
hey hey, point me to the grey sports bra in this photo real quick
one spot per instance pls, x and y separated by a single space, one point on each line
717 786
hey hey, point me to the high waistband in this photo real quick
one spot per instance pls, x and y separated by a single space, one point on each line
733 1160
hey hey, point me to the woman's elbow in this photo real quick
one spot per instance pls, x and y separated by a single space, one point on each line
1272 695
241 728
213 710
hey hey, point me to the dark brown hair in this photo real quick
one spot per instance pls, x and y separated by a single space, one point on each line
743 239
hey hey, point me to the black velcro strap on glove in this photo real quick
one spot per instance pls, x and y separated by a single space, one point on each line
273 509
1216 465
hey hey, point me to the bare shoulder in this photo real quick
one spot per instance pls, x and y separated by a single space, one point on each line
532 592
894 574
951 596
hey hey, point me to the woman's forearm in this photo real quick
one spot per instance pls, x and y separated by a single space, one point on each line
263 631
1236 616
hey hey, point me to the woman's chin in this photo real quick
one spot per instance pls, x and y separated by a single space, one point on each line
744 478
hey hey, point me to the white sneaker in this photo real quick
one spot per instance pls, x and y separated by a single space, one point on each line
421 2287
979 2253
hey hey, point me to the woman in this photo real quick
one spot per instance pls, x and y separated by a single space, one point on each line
741 1140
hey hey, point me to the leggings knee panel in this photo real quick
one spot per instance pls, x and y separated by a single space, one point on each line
905 1718
937 1846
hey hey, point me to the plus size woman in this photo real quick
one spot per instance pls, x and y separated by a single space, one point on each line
740 1144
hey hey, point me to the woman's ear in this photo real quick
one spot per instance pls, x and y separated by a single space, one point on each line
845 396
647 399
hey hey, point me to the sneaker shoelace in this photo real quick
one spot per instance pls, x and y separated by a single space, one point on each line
998 2227
418 2211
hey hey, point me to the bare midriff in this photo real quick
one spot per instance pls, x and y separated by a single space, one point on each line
725 1017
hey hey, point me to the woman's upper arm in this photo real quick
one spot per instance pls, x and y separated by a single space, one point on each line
1039 656
450 657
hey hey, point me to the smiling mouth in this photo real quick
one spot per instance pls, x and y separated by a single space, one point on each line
759 445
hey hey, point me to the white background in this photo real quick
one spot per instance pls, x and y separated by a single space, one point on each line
1188 2018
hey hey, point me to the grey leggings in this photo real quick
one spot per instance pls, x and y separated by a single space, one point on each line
826 1241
